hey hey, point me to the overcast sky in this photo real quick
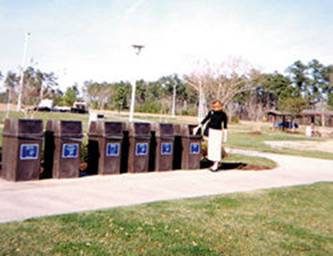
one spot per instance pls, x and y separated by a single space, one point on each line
81 40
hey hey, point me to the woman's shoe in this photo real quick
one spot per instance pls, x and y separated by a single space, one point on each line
213 169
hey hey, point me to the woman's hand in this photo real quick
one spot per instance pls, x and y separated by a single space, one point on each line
196 129
225 136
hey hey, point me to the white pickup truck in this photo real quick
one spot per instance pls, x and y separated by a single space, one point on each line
47 105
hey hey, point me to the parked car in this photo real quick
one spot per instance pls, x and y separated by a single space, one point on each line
62 109
45 105
286 124
79 107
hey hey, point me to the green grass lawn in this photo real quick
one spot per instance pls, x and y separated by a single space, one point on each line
248 140
250 160
286 221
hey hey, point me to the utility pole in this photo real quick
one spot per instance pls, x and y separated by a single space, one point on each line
174 101
25 48
138 48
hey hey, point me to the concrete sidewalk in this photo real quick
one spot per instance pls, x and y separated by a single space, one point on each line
19 201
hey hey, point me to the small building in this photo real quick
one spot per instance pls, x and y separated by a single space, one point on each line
282 120
321 118
306 117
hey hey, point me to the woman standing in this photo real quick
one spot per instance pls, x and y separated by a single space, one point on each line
216 132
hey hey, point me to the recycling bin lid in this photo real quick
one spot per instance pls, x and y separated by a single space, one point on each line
187 131
65 128
106 129
29 128
164 130
139 129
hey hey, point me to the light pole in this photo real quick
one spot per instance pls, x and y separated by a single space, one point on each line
25 48
137 49
41 92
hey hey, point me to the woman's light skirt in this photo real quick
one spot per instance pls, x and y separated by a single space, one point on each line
214 145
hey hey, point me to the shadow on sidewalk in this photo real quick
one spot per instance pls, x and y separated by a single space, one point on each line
204 164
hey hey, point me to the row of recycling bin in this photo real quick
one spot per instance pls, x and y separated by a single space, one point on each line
113 148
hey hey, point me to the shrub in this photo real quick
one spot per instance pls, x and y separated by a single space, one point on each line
84 150
150 107
234 119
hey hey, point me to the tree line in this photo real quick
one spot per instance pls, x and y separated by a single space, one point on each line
243 89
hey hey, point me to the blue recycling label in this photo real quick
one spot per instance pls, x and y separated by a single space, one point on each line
166 149
29 151
112 149
70 150
141 149
195 148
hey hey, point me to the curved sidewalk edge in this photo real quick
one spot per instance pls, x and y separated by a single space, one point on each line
19 201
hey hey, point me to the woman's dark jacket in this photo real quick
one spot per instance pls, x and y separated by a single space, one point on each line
215 120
